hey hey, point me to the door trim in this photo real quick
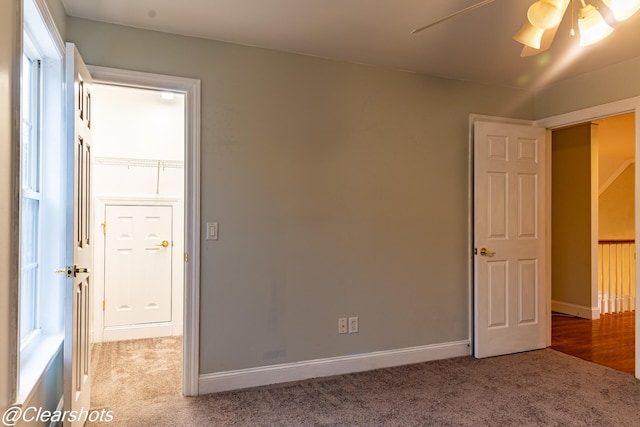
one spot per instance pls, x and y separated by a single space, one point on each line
191 311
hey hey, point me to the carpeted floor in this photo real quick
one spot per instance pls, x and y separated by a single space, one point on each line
540 388
126 373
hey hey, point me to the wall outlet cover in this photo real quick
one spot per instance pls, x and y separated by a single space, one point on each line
353 325
342 325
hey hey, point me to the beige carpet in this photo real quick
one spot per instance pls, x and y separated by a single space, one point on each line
130 372
140 382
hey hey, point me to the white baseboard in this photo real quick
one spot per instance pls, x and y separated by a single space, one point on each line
585 312
253 377
130 332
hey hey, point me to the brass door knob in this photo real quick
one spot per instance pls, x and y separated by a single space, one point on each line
486 252
164 244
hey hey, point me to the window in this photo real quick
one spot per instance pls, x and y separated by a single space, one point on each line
42 176
30 195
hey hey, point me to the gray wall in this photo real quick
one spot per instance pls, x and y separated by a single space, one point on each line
9 39
620 81
571 215
59 16
340 189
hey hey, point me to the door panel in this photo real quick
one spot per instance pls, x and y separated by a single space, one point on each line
528 288
77 343
498 294
497 208
138 285
509 300
527 204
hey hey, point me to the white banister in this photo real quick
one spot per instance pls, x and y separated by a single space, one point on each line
616 278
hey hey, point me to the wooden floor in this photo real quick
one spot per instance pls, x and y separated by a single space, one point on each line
608 341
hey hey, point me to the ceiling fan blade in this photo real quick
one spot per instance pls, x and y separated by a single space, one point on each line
453 15
547 37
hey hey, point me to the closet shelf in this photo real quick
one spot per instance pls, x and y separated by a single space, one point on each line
119 161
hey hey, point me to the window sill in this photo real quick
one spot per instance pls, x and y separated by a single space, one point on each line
35 361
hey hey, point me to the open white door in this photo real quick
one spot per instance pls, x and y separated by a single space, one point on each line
77 344
509 239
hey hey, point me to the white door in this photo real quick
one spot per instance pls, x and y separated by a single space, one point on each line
138 255
77 344
509 239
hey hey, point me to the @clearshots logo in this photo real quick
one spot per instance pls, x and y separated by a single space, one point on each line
32 414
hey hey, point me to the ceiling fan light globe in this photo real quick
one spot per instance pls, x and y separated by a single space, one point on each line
529 35
622 9
545 14
592 25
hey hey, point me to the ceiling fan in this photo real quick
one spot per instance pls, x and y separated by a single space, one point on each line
544 17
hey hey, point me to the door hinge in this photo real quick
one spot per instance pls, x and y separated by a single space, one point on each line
104 227
186 257
104 305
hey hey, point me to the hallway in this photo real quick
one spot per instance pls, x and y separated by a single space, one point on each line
608 341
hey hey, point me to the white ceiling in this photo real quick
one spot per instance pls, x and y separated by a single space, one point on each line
475 46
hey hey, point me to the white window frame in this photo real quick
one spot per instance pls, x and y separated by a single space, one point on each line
42 41
31 190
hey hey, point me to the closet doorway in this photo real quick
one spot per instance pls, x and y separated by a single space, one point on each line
138 184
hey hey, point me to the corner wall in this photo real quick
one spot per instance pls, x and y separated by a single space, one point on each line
573 162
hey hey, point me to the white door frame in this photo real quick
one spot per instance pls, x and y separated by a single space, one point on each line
191 311
175 326
598 112
561 120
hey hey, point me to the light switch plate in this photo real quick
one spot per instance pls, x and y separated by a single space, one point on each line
212 231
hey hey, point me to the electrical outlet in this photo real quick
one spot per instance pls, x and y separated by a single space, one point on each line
342 325
353 325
